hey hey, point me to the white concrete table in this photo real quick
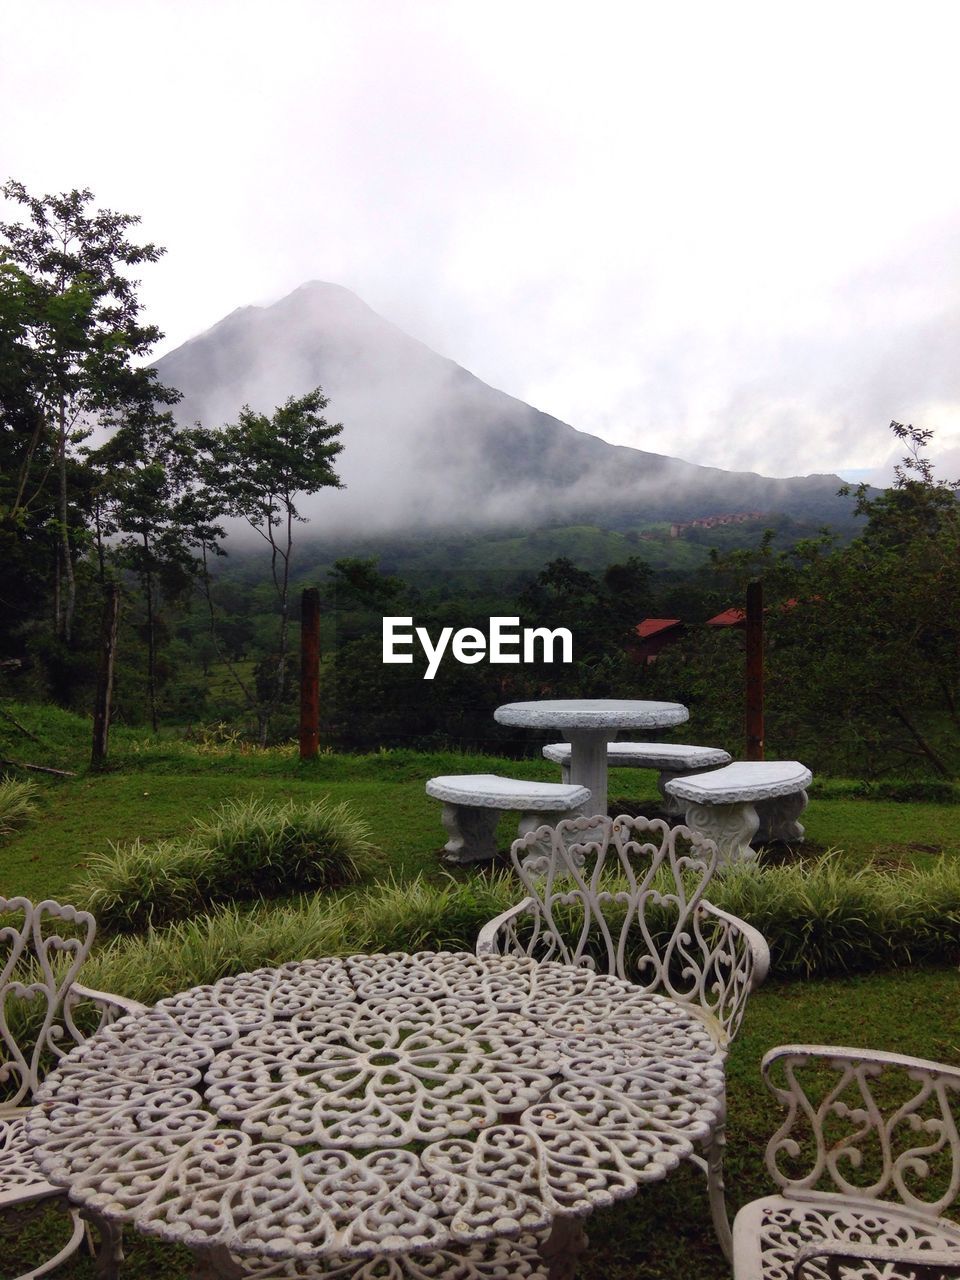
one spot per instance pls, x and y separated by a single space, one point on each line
744 800
473 802
589 723
387 1105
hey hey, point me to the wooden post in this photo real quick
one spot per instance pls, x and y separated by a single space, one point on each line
309 674
755 670
104 695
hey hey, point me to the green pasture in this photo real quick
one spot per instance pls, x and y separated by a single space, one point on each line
157 796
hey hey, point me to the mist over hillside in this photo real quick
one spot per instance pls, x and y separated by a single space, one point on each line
428 445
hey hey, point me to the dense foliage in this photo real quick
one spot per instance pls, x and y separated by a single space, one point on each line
862 641
98 485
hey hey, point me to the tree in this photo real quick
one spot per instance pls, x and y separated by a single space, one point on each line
145 505
863 641
258 469
600 610
70 330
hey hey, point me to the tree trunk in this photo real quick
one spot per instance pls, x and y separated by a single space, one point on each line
108 649
151 634
921 741
755 671
309 674
101 560
66 618
57 604
284 589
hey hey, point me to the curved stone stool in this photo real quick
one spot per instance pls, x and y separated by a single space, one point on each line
673 759
473 802
751 799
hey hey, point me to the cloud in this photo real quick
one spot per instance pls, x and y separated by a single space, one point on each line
724 233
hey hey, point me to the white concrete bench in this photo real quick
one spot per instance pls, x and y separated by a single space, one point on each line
473 802
751 799
673 759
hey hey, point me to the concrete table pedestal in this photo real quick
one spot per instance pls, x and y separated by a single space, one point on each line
671 759
589 724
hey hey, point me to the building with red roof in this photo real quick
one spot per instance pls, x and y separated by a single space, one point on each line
652 635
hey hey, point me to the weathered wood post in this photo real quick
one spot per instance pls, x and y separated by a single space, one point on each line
309 674
104 694
755 670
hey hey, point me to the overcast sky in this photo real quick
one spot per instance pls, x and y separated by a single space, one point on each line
726 232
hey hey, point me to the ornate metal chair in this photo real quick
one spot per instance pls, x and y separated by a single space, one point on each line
44 1013
627 896
867 1159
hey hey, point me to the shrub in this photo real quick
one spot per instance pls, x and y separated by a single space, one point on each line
818 920
18 803
245 849
416 916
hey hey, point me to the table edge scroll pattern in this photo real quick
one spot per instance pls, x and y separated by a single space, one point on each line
693 791
533 715
486 1261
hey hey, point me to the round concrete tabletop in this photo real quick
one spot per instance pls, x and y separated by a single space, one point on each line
591 713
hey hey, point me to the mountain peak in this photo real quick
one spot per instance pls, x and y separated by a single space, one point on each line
427 444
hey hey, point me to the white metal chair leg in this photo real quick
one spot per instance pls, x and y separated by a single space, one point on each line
716 1190
71 1247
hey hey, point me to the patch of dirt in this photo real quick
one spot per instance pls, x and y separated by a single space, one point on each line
779 853
895 857
635 809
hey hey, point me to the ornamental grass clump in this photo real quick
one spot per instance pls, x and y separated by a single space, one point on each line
416 916
18 804
268 849
818 919
822 918
245 849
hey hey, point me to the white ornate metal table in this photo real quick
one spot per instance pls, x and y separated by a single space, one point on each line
589 724
371 1105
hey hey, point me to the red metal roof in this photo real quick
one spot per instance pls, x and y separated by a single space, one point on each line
729 618
651 626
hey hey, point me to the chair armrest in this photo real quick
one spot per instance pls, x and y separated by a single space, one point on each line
735 959
870 1058
111 1006
912 1264
487 937
754 939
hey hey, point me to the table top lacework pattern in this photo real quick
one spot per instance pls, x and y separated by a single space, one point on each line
378 1104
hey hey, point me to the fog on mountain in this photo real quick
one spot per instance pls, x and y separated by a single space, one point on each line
427 444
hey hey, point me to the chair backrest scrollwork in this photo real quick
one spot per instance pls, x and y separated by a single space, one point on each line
622 896
870 1125
37 970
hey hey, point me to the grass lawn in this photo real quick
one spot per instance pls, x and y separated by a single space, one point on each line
664 1232
158 796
